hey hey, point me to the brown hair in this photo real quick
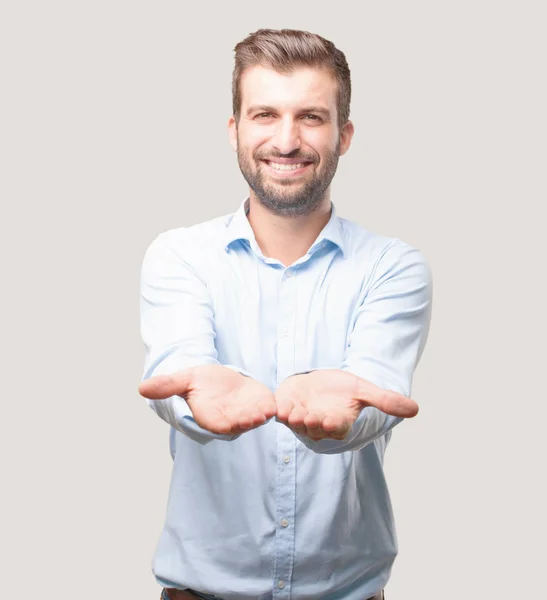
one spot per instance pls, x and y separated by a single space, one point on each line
285 50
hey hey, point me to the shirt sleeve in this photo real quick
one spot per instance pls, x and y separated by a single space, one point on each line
390 329
177 328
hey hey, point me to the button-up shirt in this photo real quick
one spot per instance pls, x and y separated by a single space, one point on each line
270 513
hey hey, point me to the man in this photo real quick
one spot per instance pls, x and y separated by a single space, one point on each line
281 342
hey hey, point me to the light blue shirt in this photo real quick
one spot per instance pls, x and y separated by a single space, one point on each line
271 514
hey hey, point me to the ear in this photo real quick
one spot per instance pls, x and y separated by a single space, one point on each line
346 136
232 131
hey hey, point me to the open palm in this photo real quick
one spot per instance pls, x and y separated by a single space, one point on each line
222 400
326 403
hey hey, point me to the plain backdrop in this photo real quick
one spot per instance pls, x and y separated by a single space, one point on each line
113 128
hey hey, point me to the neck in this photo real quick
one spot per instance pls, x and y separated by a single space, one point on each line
287 238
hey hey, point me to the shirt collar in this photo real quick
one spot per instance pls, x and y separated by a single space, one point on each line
239 228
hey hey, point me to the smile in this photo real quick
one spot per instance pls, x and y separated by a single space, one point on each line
285 168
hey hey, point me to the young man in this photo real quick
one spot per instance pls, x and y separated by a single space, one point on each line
281 343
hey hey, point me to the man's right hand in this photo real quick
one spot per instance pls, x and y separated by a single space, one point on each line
221 400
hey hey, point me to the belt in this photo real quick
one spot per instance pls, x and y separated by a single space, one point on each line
174 594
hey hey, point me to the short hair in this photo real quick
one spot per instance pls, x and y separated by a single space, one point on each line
285 50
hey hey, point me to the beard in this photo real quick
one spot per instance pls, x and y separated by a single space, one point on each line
286 197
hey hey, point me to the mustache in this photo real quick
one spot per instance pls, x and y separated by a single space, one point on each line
295 154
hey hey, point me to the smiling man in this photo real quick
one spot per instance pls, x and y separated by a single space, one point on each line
281 342
288 139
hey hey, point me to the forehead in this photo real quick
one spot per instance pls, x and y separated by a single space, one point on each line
303 86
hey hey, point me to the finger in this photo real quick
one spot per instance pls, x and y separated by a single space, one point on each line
313 420
247 418
295 421
316 433
313 423
165 386
244 425
267 407
302 430
297 417
253 416
330 427
336 427
319 433
388 401
334 424
250 417
284 407
244 421
259 418
214 420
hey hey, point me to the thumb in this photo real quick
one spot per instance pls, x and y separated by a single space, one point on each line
165 386
388 401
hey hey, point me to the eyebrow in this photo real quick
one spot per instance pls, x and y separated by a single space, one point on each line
316 109
309 109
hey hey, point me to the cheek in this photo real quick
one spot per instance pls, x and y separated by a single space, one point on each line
321 141
251 139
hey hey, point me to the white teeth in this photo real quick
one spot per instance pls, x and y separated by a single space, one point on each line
285 167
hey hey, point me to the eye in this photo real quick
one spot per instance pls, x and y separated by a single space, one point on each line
312 117
264 115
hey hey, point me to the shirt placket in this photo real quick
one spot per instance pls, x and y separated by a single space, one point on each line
286 444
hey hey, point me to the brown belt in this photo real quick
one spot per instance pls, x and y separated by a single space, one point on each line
174 594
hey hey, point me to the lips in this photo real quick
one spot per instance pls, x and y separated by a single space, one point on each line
287 167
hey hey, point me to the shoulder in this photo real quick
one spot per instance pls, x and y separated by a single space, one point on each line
381 255
361 243
190 242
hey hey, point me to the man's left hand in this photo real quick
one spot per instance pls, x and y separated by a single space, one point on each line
326 403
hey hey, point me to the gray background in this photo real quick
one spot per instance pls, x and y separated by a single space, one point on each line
113 128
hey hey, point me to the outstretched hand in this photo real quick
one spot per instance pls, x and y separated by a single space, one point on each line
222 400
325 404
321 404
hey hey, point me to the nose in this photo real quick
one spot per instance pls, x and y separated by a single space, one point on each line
287 136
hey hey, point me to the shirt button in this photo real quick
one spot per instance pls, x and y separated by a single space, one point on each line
281 584
289 273
284 522
285 333
286 459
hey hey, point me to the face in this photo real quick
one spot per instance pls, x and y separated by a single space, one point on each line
287 138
